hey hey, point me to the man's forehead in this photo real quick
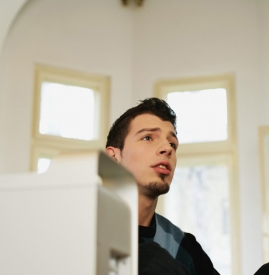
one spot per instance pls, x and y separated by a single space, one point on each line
149 121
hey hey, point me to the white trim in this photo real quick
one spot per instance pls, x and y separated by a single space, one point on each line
100 86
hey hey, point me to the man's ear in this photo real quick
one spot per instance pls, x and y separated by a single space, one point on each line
114 152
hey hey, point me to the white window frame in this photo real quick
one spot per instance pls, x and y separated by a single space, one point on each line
202 83
215 152
50 145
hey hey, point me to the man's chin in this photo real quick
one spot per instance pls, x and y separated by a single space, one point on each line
155 189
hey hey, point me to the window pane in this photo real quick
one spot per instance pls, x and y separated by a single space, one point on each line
67 111
198 202
43 165
201 115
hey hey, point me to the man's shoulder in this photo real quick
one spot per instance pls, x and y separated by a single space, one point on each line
189 251
202 262
191 244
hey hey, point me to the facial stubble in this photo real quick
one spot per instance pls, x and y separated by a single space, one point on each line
157 188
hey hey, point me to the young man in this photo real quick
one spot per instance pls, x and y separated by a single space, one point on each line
144 140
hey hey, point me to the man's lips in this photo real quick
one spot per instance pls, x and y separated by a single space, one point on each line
162 167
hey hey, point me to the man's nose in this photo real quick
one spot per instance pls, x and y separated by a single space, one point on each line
165 148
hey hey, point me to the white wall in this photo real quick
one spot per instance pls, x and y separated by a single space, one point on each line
64 34
264 59
8 11
136 47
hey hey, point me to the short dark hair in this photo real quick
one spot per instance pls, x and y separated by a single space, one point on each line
121 126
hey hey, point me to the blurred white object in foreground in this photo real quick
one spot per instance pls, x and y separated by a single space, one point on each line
79 217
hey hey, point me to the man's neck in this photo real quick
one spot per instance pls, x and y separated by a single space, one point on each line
146 210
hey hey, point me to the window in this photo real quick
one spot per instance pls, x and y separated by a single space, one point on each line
43 164
203 196
201 115
70 113
67 111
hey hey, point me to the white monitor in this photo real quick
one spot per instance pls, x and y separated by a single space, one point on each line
79 217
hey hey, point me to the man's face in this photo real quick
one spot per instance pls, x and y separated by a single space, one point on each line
150 154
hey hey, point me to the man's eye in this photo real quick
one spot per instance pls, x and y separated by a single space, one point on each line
173 145
147 138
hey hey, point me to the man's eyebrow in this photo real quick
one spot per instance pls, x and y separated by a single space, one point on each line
155 129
